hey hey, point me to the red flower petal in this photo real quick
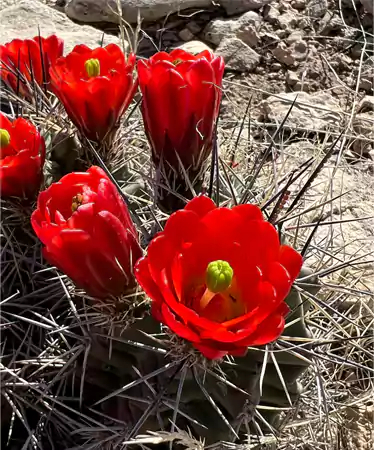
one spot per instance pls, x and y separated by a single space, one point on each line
145 279
248 212
182 226
160 56
21 162
160 255
207 54
223 224
179 54
176 326
5 123
181 95
95 245
241 351
31 59
200 205
185 313
210 352
174 274
291 260
94 104
269 330
280 279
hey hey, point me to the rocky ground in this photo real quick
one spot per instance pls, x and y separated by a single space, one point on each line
320 51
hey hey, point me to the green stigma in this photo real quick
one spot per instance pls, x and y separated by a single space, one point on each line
92 67
218 276
177 61
4 138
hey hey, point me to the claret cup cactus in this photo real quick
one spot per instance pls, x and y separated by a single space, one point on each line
173 311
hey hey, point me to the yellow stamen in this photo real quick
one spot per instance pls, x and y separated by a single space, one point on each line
77 202
206 298
4 138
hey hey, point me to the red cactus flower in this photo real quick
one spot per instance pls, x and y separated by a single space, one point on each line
88 233
29 60
181 98
218 277
95 87
22 154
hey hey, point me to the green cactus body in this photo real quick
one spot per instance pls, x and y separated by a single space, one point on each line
110 373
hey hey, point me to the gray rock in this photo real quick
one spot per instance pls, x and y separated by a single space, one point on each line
363 126
368 5
282 15
23 19
292 78
260 70
330 22
250 18
366 84
186 35
238 56
301 86
195 47
366 105
295 36
367 74
194 27
272 14
248 35
284 54
356 51
107 10
7 3
245 28
299 50
276 67
345 62
233 7
269 39
316 112
282 34
317 8
304 23
218 29
288 20
299 4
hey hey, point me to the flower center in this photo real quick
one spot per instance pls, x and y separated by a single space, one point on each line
218 278
76 202
4 138
92 67
177 61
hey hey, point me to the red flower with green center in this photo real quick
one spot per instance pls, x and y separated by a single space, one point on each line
29 60
95 87
181 99
218 277
22 154
88 233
